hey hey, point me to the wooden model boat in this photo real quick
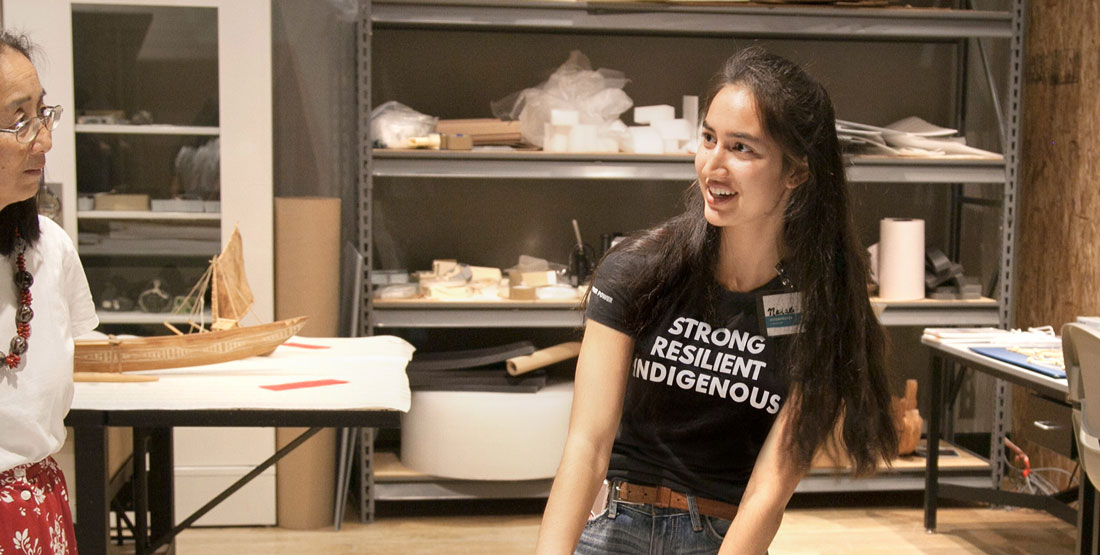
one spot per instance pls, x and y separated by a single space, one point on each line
173 351
231 299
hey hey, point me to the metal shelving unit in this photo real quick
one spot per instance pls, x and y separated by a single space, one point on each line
799 22
664 19
673 19
505 314
394 482
679 168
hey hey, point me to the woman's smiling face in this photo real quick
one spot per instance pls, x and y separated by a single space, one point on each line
21 98
742 175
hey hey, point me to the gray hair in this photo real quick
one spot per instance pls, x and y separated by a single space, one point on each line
19 42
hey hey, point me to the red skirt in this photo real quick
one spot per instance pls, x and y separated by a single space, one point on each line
34 510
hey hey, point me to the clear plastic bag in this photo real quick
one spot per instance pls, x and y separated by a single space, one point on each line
596 96
392 124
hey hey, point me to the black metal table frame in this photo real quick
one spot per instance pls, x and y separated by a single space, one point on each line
947 373
153 437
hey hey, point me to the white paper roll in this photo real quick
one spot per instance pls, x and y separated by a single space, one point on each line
901 259
469 435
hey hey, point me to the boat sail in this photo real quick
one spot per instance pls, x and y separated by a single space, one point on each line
226 340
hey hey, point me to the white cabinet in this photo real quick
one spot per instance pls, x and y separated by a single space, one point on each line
208 460
146 85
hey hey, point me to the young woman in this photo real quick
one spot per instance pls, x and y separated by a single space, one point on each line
724 345
44 303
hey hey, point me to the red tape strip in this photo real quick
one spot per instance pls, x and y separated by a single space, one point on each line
300 385
305 346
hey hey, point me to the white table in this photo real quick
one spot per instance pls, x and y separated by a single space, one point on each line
947 355
307 382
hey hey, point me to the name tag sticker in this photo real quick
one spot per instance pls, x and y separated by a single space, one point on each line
781 313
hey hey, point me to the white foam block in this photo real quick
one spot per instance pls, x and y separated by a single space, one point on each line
646 140
485 273
607 144
555 138
650 114
691 111
472 435
677 129
582 138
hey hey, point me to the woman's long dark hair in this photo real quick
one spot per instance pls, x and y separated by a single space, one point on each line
836 366
17 215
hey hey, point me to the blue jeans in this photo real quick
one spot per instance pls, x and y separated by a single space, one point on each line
643 529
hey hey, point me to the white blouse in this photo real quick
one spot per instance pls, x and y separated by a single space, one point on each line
36 395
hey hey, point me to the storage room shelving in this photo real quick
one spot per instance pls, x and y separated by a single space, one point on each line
962 29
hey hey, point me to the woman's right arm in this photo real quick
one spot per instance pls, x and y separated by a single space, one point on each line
600 385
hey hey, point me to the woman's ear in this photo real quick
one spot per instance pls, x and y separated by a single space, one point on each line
797 174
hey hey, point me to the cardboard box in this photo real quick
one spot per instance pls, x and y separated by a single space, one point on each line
114 201
482 131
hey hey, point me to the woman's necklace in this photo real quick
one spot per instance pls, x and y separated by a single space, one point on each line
23 280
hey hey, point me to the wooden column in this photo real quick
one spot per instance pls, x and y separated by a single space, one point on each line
1058 230
1058 258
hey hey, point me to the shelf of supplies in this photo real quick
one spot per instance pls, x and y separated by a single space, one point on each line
668 167
690 19
154 129
394 481
426 313
150 247
147 215
893 169
135 317
930 312
956 465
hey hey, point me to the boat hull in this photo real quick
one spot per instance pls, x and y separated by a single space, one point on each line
175 351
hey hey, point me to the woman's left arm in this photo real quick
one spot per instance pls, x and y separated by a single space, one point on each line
774 479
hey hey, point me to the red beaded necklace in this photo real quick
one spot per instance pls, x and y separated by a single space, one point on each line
23 280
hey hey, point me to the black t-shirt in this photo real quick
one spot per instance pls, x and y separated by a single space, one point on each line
703 392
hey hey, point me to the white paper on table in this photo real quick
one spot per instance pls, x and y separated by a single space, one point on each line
373 369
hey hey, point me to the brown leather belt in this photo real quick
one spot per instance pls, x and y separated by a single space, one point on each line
663 497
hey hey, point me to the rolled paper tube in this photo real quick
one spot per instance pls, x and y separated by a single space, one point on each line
307 263
542 358
901 259
110 377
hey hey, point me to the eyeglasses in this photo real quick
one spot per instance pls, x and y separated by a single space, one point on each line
27 130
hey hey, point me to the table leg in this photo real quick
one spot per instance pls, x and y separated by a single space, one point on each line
140 485
1086 517
162 482
931 469
93 528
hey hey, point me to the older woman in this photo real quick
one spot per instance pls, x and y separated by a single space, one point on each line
44 302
